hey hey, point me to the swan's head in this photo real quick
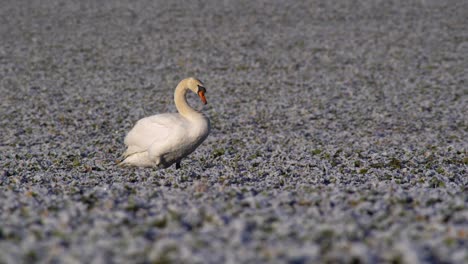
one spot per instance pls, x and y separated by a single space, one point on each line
197 87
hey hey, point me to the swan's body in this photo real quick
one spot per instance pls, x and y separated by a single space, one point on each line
162 140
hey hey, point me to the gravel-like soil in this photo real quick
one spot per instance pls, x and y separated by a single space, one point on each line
339 131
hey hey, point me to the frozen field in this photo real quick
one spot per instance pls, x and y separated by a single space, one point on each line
339 131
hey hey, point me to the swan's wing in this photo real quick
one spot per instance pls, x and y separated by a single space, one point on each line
148 131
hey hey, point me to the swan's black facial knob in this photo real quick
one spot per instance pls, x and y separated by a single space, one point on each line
201 93
201 89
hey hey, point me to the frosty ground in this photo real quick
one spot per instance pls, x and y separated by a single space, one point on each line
338 131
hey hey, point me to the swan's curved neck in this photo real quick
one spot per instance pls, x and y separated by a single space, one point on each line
181 102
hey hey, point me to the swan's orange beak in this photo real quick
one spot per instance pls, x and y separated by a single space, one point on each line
202 96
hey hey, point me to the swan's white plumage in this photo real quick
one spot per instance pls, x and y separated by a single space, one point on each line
162 140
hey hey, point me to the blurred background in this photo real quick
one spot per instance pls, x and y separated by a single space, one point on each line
338 131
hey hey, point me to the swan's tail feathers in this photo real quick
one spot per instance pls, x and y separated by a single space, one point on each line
139 159
120 162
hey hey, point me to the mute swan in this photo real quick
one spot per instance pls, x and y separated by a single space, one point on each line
164 139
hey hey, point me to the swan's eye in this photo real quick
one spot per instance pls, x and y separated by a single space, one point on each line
201 89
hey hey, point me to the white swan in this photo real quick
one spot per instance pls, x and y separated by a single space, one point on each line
165 139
